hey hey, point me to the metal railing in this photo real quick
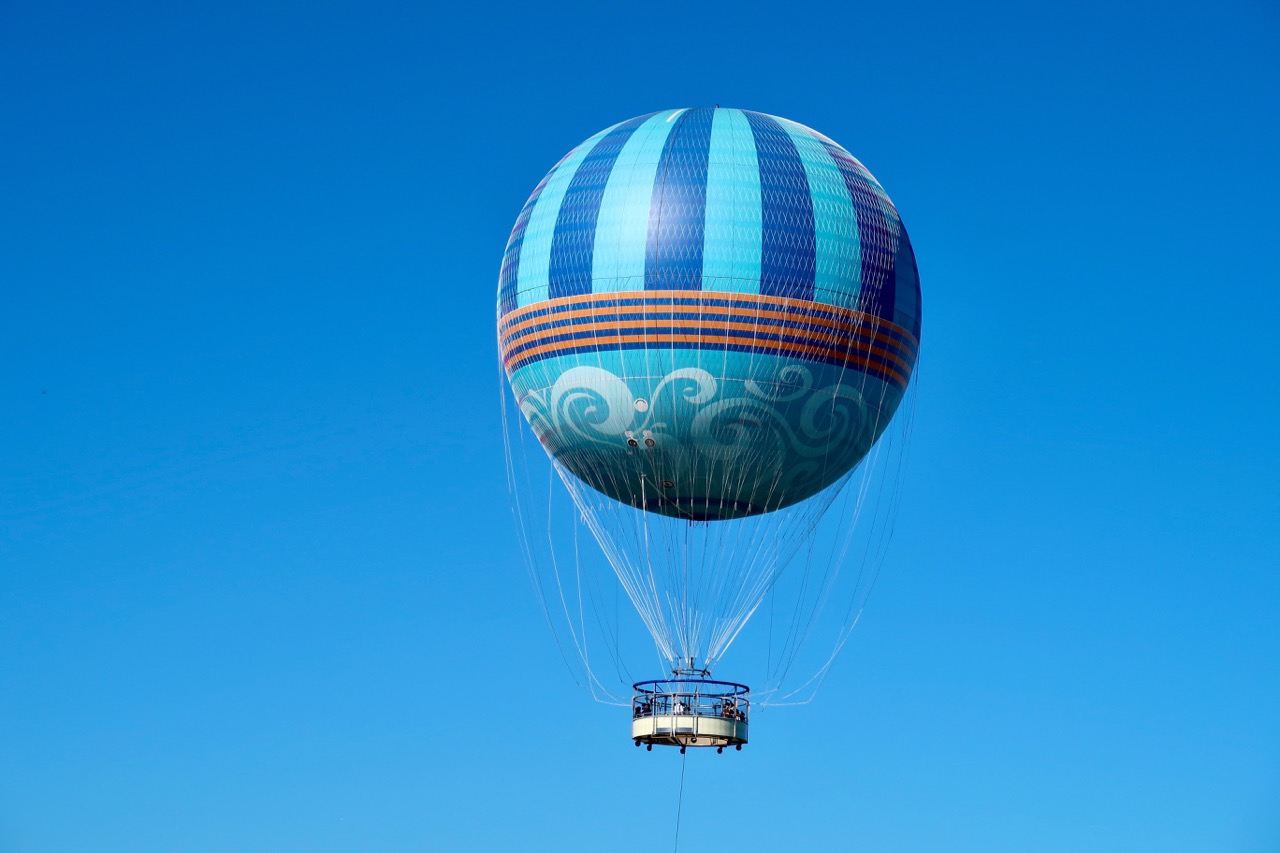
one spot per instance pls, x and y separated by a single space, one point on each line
695 697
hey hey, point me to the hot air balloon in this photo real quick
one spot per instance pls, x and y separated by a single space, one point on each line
708 317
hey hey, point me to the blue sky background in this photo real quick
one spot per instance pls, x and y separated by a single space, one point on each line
259 584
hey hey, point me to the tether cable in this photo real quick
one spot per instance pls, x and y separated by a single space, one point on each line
680 799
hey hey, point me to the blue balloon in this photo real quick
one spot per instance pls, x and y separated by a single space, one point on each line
709 313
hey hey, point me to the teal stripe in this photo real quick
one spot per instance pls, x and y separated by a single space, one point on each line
535 254
838 255
622 228
733 232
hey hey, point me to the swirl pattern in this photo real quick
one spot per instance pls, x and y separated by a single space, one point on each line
689 443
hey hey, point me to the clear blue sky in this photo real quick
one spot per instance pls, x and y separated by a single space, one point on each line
259 585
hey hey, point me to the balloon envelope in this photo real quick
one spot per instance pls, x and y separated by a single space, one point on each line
708 313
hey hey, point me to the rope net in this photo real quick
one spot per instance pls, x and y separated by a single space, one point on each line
695 583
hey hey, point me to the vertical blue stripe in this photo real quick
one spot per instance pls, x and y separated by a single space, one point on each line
837 250
535 253
787 242
878 291
732 236
622 229
511 258
888 297
677 214
573 240
906 308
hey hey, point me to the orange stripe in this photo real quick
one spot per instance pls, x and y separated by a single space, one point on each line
710 326
656 298
860 327
775 347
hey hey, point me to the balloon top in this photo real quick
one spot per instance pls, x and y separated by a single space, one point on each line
715 201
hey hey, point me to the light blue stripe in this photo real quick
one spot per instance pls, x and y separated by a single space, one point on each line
622 228
733 232
534 275
838 256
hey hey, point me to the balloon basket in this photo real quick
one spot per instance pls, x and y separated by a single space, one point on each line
684 712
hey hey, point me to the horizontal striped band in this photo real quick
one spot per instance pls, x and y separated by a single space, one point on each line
765 325
713 321
699 300
591 331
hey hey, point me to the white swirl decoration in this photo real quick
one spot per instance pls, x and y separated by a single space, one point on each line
698 386
783 426
534 408
791 383
592 403
692 385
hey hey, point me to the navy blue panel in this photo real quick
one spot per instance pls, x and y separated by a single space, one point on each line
574 239
879 287
788 250
907 284
678 211
510 264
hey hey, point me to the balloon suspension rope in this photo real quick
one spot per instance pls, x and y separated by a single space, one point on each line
680 800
